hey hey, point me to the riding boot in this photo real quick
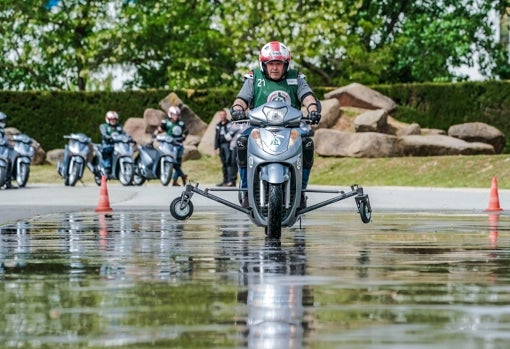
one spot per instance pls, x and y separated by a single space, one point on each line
184 179
176 183
9 185
303 201
244 201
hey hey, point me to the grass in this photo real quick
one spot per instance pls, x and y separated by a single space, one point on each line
473 171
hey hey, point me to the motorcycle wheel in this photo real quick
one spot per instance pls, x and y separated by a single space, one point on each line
274 211
23 174
3 176
126 173
181 211
138 179
73 175
166 173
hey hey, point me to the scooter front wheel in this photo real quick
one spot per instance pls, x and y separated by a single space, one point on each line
23 174
181 210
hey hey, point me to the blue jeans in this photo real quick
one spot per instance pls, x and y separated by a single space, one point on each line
177 165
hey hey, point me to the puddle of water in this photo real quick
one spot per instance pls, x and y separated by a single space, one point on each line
143 279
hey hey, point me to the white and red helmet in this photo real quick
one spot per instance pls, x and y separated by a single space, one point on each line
274 51
174 110
111 115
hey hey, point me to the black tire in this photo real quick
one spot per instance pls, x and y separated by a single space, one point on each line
126 174
166 173
23 174
274 211
3 176
178 212
364 212
74 174
138 179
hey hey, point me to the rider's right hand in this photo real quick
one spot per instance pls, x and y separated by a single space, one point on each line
237 114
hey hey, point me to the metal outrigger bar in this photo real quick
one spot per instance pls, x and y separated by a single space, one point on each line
182 206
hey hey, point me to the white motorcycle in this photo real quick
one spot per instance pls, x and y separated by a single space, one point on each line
275 164
24 152
123 164
155 162
76 153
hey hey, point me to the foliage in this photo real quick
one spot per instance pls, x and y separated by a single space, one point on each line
57 47
169 44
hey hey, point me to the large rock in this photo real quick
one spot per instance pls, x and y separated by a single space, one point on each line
479 132
206 145
330 113
358 95
433 145
372 121
152 119
136 127
359 145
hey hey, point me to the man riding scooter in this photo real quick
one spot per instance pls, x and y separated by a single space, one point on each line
12 154
107 129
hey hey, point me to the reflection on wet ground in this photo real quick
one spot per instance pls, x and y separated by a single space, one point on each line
142 279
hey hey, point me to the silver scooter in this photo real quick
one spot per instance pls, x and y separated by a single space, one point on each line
24 152
123 164
275 158
155 162
5 160
76 154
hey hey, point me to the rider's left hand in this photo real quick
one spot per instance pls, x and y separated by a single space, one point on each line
315 117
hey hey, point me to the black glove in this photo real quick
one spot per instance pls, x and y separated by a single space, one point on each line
315 117
237 114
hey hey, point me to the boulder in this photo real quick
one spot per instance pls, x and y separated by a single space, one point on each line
479 132
433 145
359 145
372 121
358 95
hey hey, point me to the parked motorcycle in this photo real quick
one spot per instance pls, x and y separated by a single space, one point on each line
24 152
5 152
76 153
152 163
274 173
123 164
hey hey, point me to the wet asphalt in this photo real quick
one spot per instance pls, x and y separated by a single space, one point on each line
40 199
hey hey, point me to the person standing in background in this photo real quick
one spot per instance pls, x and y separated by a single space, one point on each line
222 141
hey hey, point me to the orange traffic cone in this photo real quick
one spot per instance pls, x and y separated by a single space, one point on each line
494 198
104 202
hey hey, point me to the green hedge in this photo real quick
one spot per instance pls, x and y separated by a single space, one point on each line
48 115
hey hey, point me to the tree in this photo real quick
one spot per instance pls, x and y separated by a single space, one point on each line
194 44
173 44
56 47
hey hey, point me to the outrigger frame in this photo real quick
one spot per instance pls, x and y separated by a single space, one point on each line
361 199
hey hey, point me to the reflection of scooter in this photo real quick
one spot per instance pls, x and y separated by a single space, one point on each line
275 158
275 300
123 164
24 152
152 163
76 152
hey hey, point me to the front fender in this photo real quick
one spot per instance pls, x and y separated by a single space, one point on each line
126 160
24 159
274 173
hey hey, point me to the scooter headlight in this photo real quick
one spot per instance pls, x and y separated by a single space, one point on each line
275 116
